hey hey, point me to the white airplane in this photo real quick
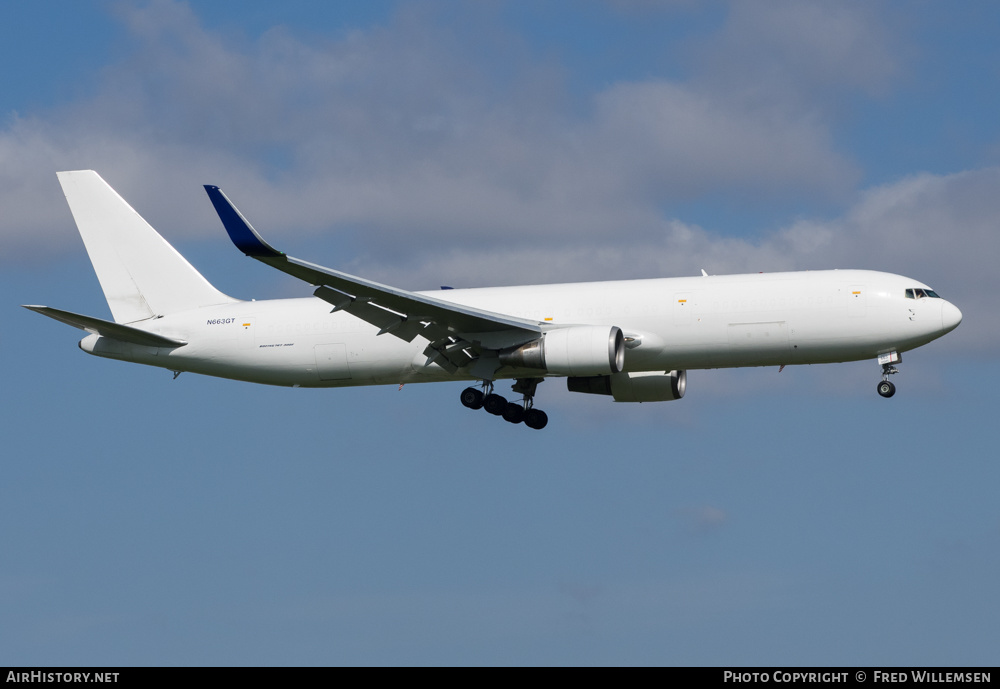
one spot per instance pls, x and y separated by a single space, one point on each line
633 340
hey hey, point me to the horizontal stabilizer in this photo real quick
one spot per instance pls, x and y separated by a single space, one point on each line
116 331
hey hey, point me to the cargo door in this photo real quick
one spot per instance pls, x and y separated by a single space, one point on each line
331 362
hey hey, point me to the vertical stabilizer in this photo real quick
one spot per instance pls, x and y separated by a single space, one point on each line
141 274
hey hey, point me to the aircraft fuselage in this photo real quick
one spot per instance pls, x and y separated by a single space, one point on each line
670 324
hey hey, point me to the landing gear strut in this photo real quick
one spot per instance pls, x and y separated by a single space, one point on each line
885 387
514 412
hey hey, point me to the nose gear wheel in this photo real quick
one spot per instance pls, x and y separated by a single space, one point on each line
886 388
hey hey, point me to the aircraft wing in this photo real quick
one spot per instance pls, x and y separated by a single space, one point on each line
452 329
98 326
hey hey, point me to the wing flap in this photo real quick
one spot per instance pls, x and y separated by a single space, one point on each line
401 325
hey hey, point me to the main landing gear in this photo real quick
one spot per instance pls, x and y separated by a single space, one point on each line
885 386
514 412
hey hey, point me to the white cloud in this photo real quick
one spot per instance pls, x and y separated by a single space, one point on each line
408 131
673 141
801 52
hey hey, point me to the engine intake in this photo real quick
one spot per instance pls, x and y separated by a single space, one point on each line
583 350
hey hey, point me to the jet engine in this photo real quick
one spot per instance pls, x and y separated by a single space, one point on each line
582 350
643 386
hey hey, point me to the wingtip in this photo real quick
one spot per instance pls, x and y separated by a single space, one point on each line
240 231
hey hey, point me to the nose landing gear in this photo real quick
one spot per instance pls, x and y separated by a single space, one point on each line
514 412
885 387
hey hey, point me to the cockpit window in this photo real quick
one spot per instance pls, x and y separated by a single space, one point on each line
920 293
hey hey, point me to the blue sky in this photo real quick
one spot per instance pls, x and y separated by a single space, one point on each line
766 518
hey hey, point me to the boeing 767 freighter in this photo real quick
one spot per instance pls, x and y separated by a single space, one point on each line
632 340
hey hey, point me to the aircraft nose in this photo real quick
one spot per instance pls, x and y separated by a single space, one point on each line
950 316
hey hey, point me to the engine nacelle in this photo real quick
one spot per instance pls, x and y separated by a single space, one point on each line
644 386
582 350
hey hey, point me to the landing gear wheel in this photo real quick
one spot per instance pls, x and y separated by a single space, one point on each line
472 398
495 404
535 418
513 413
886 389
